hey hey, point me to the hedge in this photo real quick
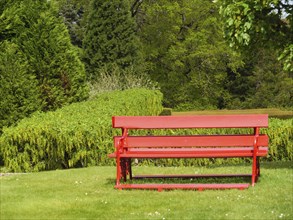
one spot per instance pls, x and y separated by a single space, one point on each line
80 135
77 135
280 134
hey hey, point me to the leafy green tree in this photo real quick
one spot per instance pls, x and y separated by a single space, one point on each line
260 23
43 39
74 13
261 82
18 88
110 37
183 43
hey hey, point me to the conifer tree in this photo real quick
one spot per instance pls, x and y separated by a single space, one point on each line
18 88
43 39
110 36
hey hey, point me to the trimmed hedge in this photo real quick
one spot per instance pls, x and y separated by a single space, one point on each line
77 135
81 135
280 134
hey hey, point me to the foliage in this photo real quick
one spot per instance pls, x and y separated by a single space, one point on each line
261 83
110 37
260 23
74 13
18 87
183 44
166 111
77 135
281 138
41 36
115 78
287 57
280 147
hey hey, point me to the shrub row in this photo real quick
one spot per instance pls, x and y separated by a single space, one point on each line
80 135
77 135
280 134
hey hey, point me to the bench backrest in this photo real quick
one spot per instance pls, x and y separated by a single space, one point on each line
200 121
174 122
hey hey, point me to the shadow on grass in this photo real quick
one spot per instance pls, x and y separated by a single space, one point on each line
111 181
192 180
205 180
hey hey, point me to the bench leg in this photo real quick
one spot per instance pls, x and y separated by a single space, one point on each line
118 171
129 168
124 168
257 169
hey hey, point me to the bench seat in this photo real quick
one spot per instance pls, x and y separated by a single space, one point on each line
192 152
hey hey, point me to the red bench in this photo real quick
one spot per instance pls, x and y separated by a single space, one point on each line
252 145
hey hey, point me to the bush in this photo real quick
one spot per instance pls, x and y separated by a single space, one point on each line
166 111
281 138
81 135
77 135
280 144
114 78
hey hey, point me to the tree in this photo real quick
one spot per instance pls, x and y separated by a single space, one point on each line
18 88
43 39
183 43
110 37
74 13
261 82
260 23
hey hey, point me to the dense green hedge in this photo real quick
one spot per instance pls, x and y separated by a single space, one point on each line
77 135
81 135
280 134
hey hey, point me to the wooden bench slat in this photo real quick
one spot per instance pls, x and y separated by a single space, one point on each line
194 152
191 152
200 121
193 141
189 176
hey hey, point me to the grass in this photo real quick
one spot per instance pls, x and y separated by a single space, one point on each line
89 194
272 112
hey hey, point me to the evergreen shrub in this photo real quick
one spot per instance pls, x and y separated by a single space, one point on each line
166 111
80 135
18 86
280 134
77 135
115 78
43 41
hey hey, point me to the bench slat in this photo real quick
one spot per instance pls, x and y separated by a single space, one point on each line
184 186
199 121
189 176
193 141
193 152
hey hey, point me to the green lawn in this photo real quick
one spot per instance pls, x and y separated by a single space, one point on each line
89 194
